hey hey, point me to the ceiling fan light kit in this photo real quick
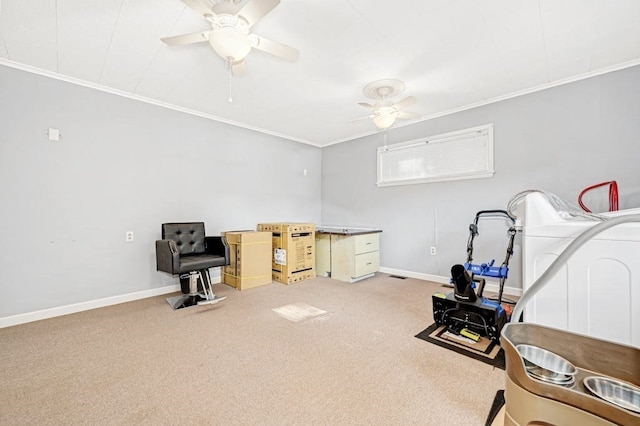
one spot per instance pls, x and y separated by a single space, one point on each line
385 117
230 43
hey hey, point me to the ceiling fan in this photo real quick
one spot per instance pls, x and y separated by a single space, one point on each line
230 35
386 112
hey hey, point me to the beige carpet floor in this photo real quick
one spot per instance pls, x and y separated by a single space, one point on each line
242 363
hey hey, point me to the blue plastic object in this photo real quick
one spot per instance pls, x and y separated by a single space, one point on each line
487 269
493 304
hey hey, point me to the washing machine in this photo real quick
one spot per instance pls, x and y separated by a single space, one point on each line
597 292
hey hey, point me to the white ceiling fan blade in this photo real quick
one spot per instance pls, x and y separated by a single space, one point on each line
366 105
409 100
278 49
197 7
254 10
361 118
239 69
408 115
183 39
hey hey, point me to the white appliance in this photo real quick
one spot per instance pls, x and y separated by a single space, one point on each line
597 292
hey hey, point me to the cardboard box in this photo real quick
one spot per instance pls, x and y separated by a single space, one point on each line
250 253
293 251
287 227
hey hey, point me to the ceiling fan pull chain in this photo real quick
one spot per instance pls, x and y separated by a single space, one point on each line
230 100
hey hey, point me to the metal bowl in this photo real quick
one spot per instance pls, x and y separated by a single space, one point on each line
537 357
551 377
614 391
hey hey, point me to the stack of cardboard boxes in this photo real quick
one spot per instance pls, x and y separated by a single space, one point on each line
293 251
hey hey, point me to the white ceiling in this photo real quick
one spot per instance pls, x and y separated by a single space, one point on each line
451 54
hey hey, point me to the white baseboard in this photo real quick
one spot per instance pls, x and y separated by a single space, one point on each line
90 304
84 306
511 291
416 275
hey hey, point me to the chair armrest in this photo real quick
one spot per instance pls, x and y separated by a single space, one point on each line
217 246
167 256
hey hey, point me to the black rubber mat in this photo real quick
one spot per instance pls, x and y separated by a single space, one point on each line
489 353
498 402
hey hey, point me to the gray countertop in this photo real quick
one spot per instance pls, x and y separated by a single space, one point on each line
340 230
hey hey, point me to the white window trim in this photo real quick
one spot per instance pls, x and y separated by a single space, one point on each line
415 149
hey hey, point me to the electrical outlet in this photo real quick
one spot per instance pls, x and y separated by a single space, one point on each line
433 251
129 236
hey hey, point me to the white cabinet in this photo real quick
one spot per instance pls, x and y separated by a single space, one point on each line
348 255
323 254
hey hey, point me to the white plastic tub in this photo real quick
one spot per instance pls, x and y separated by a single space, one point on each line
597 292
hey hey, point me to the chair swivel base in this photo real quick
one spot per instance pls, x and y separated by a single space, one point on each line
188 300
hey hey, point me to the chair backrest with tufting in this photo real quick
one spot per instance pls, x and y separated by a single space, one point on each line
189 236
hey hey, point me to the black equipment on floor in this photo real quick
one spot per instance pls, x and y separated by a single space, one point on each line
466 308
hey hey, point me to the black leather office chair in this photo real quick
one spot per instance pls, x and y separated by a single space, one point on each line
184 250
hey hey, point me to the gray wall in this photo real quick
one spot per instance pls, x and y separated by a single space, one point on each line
124 165
561 140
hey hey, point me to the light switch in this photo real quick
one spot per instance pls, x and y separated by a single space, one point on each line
54 134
